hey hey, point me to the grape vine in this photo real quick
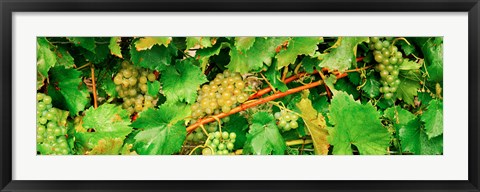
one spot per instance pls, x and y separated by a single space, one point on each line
239 95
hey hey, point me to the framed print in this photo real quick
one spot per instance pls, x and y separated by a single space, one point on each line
264 95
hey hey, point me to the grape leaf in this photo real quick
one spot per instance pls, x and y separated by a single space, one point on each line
40 81
101 51
425 98
239 126
355 78
264 138
407 48
414 139
398 115
202 42
345 85
109 146
409 65
66 85
108 118
262 51
433 53
357 124
158 57
309 63
146 43
315 123
162 131
412 136
343 53
153 88
181 82
407 90
244 43
46 59
64 58
433 118
114 47
111 124
203 55
297 46
109 86
273 76
371 87
87 43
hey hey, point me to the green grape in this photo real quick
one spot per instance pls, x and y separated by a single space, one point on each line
190 137
230 146
293 124
40 96
47 99
216 142
225 135
151 77
233 135
217 134
207 151
221 146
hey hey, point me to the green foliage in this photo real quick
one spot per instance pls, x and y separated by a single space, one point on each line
297 46
180 83
432 49
157 106
202 42
87 43
45 57
162 132
114 47
407 90
262 51
343 53
433 119
363 129
66 91
244 43
158 57
111 125
264 137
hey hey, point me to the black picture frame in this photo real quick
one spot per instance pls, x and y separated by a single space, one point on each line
7 7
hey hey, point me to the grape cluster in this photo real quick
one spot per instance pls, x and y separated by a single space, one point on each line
222 143
389 59
131 85
286 120
222 94
50 132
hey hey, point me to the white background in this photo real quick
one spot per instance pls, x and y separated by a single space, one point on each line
450 166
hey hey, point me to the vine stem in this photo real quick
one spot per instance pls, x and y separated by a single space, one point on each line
94 87
252 104
303 74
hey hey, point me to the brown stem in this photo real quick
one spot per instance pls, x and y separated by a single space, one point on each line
252 104
94 87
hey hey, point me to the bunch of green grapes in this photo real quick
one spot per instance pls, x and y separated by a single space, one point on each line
198 134
222 94
131 85
222 143
389 59
286 120
50 129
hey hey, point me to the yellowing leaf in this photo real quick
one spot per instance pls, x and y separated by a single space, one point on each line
114 47
316 125
110 146
148 42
